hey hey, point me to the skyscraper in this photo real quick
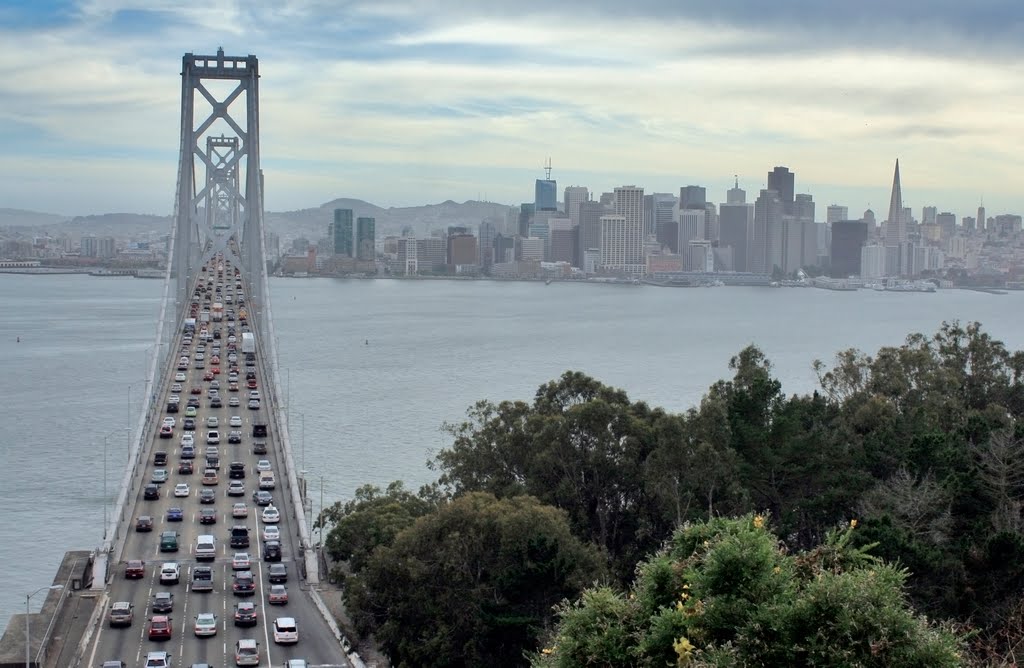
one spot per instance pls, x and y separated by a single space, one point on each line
947 223
981 221
526 213
574 196
486 233
657 210
836 212
781 180
735 226
622 235
691 228
590 213
692 197
545 196
848 237
366 241
767 234
736 195
895 225
928 215
341 233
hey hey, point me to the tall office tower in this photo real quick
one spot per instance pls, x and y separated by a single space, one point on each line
781 180
968 223
803 207
526 213
710 221
545 196
574 196
869 218
530 249
629 203
982 221
461 249
691 228
947 223
736 195
590 226
563 242
803 213
366 239
614 240
504 248
848 237
928 215
608 199
692 197
836 212
539 229
341 232
872 261
767 228
895 225
735 226
486 233
657 209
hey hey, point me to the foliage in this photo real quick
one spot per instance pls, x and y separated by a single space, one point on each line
472 583
727 593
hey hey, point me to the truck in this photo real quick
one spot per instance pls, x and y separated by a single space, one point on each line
248 343
190 324
217 311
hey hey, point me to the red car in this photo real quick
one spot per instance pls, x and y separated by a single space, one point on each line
251 384
166 431
185 466
160 627
135 568
215 370
196 389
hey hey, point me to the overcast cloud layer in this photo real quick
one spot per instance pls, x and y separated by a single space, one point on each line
404 103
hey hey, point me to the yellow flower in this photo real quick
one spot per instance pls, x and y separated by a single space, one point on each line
684 651
776 570
758 522
853 524
632 596
546 650
679 605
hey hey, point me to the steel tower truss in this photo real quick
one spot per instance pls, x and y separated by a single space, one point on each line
231 221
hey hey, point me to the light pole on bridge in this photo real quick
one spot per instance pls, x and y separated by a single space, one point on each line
28 615
106 498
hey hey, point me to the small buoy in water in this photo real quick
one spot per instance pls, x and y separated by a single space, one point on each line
367 341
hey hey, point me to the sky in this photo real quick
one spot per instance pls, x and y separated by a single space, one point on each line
416 102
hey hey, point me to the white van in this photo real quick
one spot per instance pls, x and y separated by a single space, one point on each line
267 480
247 652
206 548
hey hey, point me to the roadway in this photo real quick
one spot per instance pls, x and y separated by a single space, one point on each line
317 643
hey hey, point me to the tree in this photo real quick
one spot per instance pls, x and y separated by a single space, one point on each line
726 593
472 583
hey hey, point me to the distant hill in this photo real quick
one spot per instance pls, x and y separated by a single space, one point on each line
21 218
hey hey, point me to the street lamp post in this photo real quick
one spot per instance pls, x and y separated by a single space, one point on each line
28 630
106 500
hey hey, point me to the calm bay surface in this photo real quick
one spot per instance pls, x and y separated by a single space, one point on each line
373 369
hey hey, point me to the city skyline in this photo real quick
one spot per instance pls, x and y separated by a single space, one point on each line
410 103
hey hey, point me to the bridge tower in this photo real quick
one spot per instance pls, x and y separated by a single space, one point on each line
219 203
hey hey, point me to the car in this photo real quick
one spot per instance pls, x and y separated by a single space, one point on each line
240 562
170 421
286 632
159 627
212 422
151 492
296 663
207 516
159 476
233 402
215 402
236 488
172 405
181 489
215 384
180 377
176 388
206 625
212 437
251 383
194 402
216 358
255 393
254 404
235 421
243 584
215 370
175 514
158 660
185 466
208 375
191 412
170 573
160 458
210 477
245 613
271 515
207 496
188 452
271 550
144 523
189 424
239 510
188 439
278 595
263 465
163 601
235 436
233 387
196 389
262 497
122 613
236 470
200 356
259 448
271 532
277 573
134 568
166 431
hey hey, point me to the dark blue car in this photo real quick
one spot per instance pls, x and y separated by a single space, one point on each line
175 515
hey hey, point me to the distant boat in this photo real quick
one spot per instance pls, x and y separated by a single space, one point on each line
547 282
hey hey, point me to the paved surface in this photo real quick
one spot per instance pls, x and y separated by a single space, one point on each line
317 643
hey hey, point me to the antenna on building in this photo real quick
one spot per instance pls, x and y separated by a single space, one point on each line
737 177
547 169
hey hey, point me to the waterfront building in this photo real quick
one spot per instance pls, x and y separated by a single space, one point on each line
564 240
461 253
691 228
408 256
366 241
504 248
590 213
530 249
735 226
622 237
340 233
767 232
591 261
541 230
663 262
872 261
848 237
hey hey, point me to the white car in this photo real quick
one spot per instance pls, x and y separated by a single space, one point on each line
270 515
181 489
212 422
240 562
206 625
188 439
176 388
180 377
213 437
271 532
239 510
285 631
234 402
263 465
170 573
158 660
170 421
235 421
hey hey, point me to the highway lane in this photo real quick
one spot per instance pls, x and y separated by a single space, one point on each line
316 642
